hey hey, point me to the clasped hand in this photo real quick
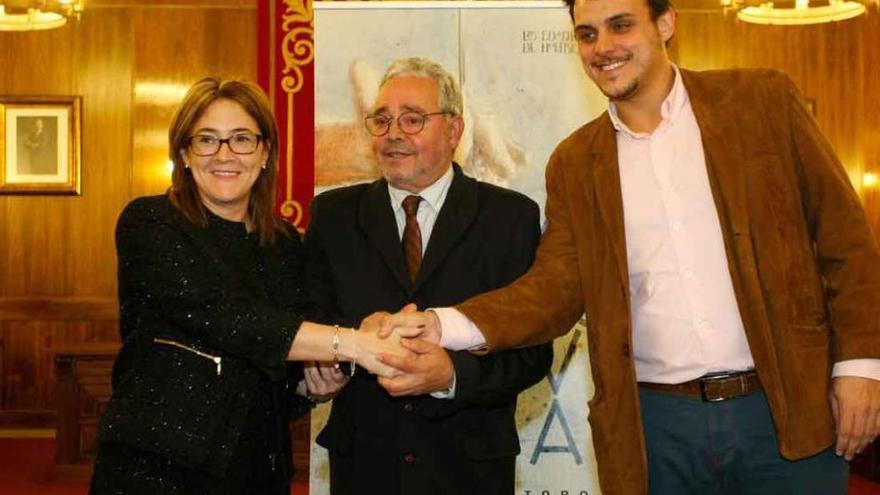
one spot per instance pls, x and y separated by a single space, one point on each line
370 346
321 382
323 379
427 367
408 323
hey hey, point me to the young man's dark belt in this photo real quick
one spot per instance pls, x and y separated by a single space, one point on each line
711 388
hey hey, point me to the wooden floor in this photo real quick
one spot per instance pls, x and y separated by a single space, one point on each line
27 466
27 463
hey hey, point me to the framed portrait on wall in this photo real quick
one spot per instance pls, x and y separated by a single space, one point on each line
40 144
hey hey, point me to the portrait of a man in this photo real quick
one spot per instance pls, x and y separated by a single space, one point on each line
37 145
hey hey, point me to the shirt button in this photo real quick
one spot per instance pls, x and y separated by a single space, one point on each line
689 274
409 458
701 323
407 406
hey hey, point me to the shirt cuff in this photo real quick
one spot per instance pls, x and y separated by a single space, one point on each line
457 332
864 368
449 393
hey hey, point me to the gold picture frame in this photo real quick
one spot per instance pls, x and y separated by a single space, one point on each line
40 144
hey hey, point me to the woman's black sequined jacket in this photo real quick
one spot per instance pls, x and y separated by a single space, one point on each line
207 316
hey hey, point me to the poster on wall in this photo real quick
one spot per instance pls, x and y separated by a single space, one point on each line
524 91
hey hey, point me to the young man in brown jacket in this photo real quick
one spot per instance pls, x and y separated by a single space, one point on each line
730 279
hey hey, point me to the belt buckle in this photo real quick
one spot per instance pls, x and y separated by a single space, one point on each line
709 379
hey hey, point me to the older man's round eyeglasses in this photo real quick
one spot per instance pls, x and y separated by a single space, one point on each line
409 122
240 143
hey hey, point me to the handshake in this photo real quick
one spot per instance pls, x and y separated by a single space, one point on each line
402 349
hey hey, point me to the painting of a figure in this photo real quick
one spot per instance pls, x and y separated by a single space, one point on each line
40 144
37 145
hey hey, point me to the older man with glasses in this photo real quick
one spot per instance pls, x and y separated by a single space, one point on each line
425 234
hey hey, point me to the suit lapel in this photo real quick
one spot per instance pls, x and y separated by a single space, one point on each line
723 150
606 186
376 218
458 212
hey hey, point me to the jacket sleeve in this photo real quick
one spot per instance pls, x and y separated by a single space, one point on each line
496 379
166 273
320 287
846 249
547 301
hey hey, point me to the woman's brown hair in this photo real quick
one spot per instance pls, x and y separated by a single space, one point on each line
184 193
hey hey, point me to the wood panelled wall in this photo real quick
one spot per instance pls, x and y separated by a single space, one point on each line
835 65
130 60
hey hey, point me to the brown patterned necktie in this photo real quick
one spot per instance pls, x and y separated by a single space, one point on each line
412 237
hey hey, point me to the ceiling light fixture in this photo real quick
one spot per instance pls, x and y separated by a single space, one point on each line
19 15
803 12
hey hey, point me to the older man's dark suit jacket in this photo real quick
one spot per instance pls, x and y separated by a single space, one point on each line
484 238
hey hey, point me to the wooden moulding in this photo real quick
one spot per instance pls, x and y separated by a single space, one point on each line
58 309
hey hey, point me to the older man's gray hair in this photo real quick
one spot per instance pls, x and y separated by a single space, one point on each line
448 94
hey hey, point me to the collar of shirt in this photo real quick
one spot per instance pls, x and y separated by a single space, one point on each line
670 109
433 198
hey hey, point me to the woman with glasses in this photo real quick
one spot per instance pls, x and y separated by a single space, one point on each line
211 313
